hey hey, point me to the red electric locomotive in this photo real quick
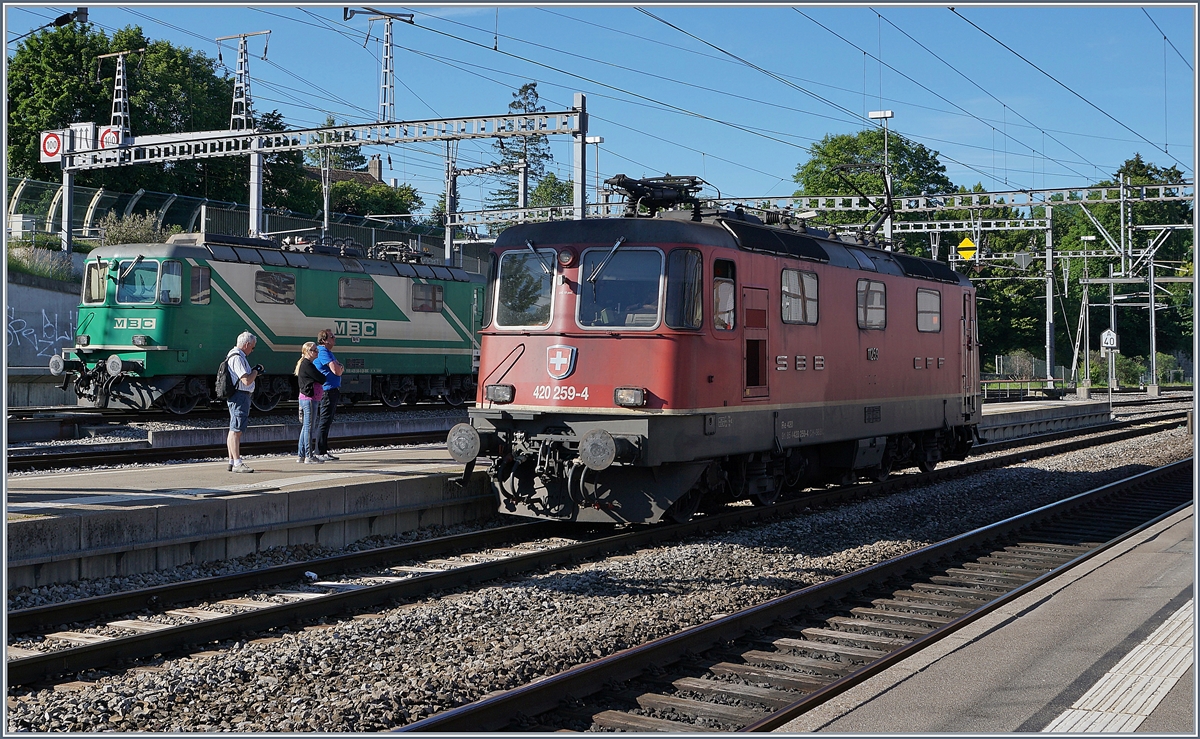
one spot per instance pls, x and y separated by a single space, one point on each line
635 368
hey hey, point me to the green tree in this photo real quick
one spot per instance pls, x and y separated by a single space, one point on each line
52 83
914 168
534 150
286 184
551 191
358 199
349 158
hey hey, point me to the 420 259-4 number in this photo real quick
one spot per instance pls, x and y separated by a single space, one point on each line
559 392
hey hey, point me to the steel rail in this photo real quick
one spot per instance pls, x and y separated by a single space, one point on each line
496 712
28 620
49 664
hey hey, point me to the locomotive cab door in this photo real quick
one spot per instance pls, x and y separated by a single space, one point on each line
970 358
754 336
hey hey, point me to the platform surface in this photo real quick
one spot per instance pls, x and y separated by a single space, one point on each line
1065 647
49 493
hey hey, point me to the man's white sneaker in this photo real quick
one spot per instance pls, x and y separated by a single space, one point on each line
314 460
241 468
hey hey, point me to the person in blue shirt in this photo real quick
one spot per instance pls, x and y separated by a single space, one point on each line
328 365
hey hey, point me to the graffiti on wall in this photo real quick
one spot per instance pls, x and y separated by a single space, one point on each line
39 335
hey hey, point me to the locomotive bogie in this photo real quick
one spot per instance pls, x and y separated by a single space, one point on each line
695 362
156 320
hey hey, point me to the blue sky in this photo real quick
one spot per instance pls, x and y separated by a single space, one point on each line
676 100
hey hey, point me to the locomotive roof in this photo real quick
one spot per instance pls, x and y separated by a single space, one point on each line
283 258
732 233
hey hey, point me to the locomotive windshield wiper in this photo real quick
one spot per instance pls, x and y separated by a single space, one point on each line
129 269
529 246
596 272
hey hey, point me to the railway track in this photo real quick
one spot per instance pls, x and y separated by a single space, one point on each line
761 668
107 456
236 616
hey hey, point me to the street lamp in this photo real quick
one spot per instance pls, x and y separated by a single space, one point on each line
887 174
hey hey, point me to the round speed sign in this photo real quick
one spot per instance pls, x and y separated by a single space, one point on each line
52 144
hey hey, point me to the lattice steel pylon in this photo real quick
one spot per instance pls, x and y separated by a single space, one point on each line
120 106
387 83
241 118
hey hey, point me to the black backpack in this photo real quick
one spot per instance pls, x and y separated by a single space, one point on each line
224 386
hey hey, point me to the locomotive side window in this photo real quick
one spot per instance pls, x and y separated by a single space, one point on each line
872 304
356 293
799 293
427 298
489 294
625 293
929 311
275 287
525 288
170 283
685 284
724 295
95 282
136 281
201 286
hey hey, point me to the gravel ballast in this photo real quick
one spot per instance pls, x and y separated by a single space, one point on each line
398 665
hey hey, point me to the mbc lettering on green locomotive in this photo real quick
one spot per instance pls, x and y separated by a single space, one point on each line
135 323
355 328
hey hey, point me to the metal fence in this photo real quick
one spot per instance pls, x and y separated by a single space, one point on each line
35 208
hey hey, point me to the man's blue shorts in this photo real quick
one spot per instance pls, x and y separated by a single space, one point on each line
239 410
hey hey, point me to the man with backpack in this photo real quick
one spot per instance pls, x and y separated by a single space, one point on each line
243 377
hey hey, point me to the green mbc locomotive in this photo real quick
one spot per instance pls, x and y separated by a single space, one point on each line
155 321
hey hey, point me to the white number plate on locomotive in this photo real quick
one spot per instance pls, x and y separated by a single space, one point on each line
560 392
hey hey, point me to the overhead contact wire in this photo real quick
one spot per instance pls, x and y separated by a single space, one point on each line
1103 112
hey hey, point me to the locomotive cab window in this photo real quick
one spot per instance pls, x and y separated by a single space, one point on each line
724 295
356 293
427 298
620 288
872 305
489 292
929 311
95 282
201 286
170 283
685 285
275 287
799 296
524 288
136 281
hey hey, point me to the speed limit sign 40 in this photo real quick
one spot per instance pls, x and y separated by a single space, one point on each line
52 145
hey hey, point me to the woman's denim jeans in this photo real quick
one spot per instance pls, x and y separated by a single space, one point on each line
308 424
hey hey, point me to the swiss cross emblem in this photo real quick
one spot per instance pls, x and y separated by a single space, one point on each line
560 361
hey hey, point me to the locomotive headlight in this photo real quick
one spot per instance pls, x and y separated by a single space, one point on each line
630 397
463 443
500 394
140 340
83 340
566 257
